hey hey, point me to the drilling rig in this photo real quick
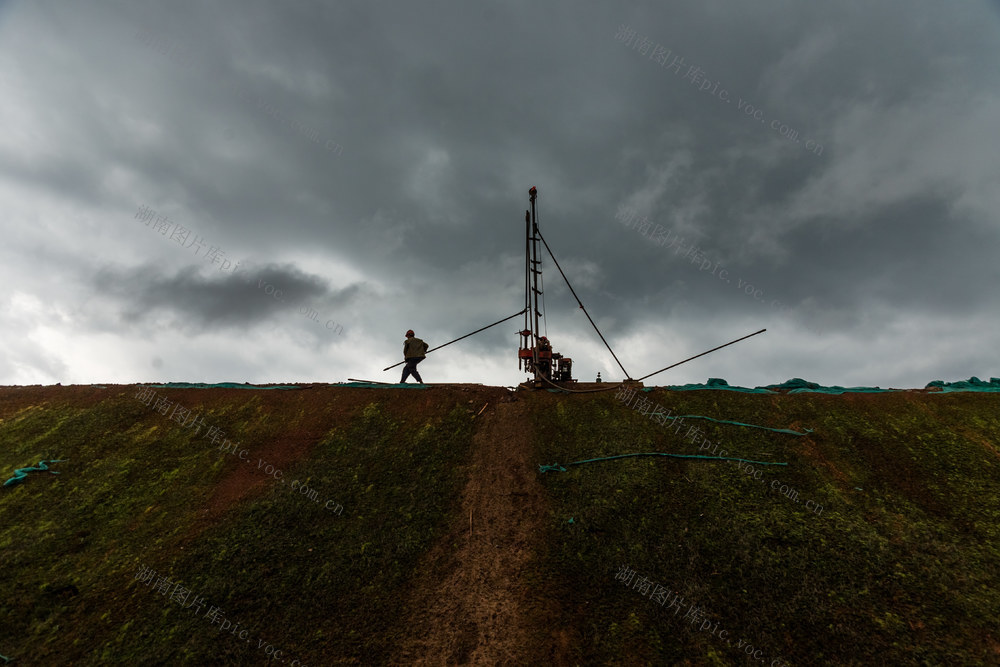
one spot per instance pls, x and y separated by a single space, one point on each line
535 354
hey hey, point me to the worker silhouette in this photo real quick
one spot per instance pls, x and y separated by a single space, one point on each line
414 350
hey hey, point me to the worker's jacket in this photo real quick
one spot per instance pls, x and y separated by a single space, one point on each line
414 347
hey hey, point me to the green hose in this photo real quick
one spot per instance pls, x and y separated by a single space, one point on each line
555 467
727 421
22 473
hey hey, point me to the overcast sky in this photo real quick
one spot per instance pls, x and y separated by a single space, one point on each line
705 169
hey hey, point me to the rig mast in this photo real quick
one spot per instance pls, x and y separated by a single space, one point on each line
535 354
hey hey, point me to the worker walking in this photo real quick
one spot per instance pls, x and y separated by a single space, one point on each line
414 351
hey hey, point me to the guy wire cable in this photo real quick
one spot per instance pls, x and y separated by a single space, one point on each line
545 320
461 337
700 355
556 262
587 391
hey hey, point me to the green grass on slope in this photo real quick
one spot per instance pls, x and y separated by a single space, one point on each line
296 577
901 566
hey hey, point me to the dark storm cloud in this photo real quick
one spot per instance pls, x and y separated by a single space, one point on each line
197 303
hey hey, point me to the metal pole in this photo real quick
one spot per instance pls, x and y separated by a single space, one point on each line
461 337
532 194
527 270
700 355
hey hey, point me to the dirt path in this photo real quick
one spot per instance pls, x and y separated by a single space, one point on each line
481 611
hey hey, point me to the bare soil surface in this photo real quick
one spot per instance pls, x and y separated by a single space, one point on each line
481 612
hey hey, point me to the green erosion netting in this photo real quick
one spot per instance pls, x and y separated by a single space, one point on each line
795 386
799 386
972 384
713 383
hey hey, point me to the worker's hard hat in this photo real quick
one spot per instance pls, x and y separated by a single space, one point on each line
409 333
